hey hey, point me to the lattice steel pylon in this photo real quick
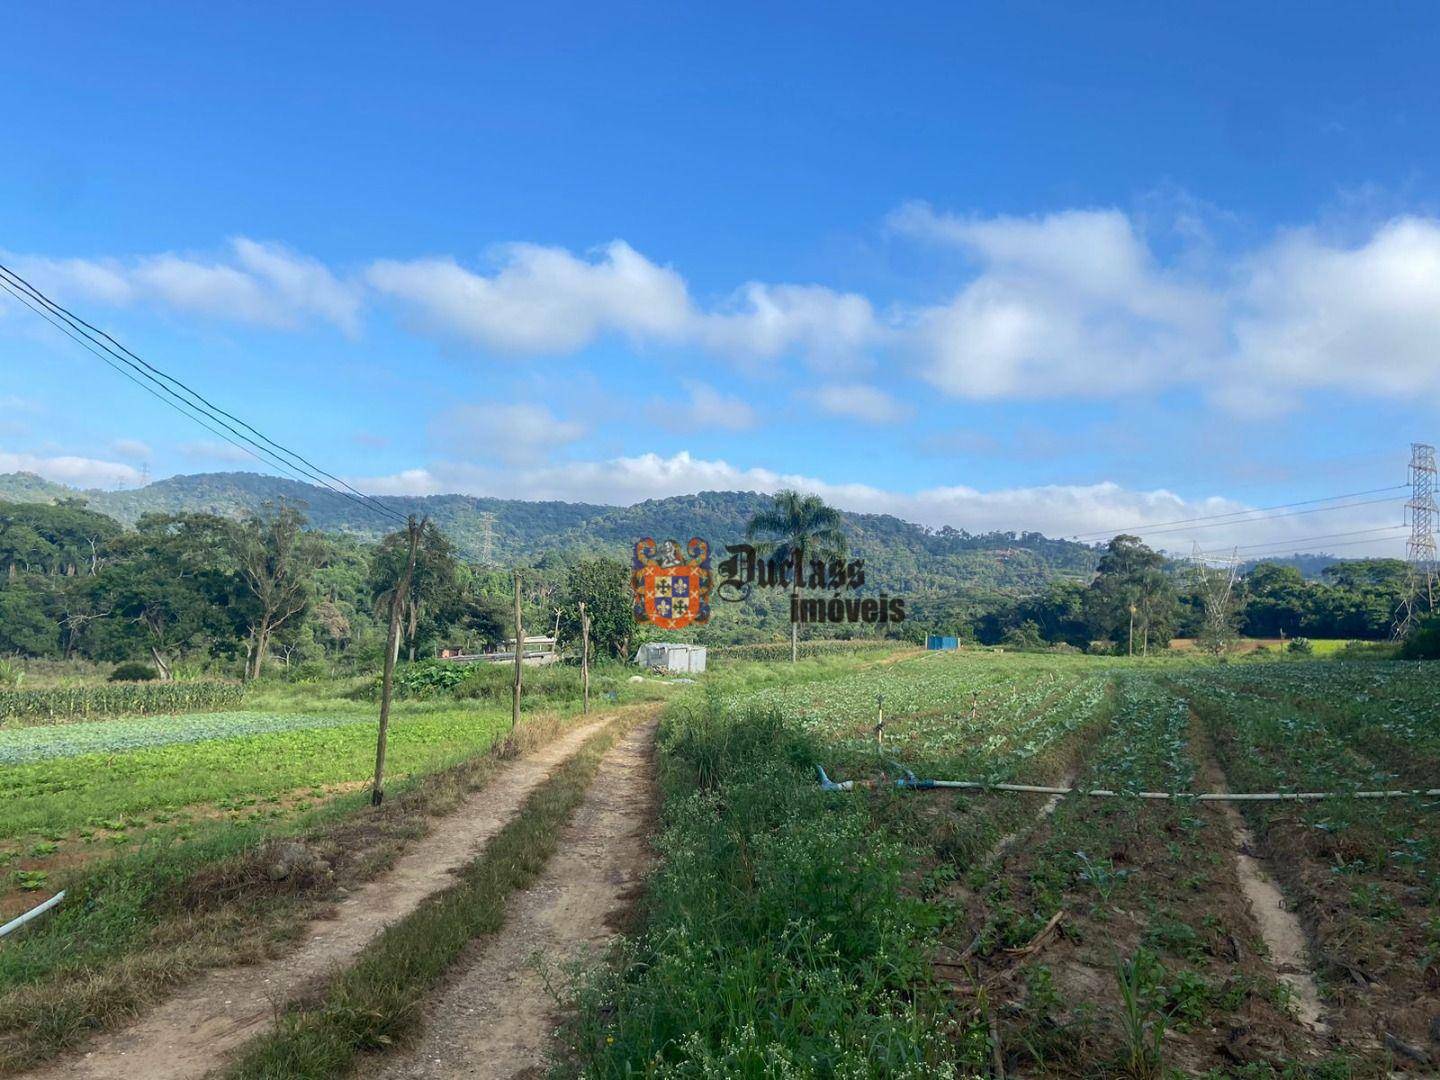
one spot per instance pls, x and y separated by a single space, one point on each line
1420 548
1216 586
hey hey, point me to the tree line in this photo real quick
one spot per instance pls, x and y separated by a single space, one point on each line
1138 595
264 589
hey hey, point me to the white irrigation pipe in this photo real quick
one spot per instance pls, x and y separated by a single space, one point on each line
39 909
909 781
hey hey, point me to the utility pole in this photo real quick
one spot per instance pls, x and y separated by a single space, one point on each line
519 657
1420 548
397 599
584 658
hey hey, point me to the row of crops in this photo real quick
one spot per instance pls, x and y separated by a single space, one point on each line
118 699
1364 875
1158 961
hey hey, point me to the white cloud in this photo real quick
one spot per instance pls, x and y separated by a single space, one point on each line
80 472
1056 510
1071 303
860 401
259 283
134 449
547 301
1363 318
541 299
770 321
511 433
706 408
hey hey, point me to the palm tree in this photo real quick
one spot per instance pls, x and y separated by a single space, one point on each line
802 525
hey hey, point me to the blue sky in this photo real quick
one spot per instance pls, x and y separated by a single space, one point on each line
1025 267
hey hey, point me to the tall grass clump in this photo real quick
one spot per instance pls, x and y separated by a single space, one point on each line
777 940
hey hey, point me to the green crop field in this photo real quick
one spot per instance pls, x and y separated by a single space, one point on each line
893 932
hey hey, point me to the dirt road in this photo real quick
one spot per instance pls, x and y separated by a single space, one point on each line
194 1031
494 1017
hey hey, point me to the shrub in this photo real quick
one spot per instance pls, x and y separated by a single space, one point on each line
1302 646
1423 642
132 671
310 671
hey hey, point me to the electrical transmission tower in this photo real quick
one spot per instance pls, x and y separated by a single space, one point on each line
487 539
1420 549
1216 586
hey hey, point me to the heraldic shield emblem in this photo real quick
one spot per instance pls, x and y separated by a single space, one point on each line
671 585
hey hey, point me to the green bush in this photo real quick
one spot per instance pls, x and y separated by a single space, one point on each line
1423 642
132 671
310 671
1301 645
135 698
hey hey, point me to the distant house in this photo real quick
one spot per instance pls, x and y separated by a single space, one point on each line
671 657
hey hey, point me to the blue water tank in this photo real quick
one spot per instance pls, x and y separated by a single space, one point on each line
940 641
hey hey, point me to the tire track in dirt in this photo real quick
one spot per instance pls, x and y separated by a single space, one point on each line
494 1017
193 1031
1279 928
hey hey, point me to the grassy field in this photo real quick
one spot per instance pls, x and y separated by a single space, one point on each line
791 931
162 830
889 932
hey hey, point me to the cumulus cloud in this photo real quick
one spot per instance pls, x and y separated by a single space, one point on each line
512 433
548 301
83 472
1057 510
263 284
769 321
1364 317
541 300
860 401
1071 303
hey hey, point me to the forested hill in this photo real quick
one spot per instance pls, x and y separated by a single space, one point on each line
907 557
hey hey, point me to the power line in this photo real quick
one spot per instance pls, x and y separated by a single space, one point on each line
208 406
179 405
280 457
1289 549
1239 515
1307 540
289 468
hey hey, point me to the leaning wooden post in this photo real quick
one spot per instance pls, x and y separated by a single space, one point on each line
584 658
519 657
397 601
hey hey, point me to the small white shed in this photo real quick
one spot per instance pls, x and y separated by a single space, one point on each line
671 657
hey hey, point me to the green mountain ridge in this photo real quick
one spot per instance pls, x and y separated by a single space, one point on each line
905 557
